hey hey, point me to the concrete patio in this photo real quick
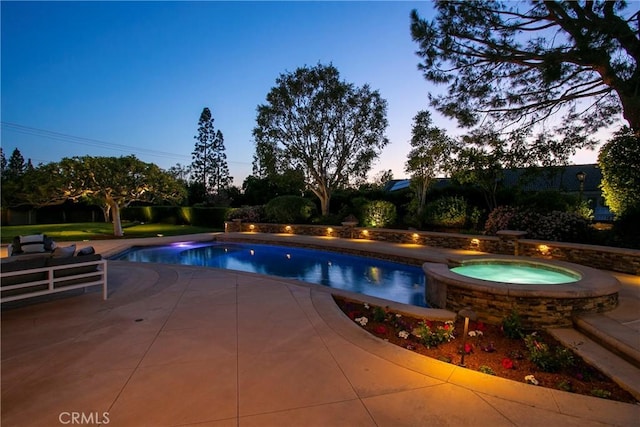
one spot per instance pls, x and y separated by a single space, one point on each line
186 346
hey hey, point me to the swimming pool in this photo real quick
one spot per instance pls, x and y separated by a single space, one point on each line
378 278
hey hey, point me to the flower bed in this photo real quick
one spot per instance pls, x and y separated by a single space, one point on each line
506 351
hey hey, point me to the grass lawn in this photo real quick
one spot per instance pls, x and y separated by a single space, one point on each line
98 231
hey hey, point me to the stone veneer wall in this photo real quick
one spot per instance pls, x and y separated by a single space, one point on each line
507 243
534 312
603 257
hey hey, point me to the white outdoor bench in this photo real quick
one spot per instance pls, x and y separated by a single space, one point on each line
20 279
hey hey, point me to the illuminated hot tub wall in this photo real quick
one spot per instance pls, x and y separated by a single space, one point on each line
538 305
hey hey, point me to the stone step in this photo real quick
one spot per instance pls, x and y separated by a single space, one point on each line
612 335
619 370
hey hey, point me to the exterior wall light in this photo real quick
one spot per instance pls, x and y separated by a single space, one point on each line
544 249
475 243
365 233
288 229
581 176
252 227
329 231
415 237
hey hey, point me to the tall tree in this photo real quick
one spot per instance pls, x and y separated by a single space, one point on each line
16 167
430 152
117 182
327 128
209 167
619 160
180 172
480 160
3 162
519 63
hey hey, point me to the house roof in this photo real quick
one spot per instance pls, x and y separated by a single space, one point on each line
562 178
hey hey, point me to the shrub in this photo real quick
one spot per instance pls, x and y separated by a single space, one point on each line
379 315
555 225
546 358
379 213
432 336
448 211
604 394
546 201
486 370
499 219
247 213
290 209
512 326
626 229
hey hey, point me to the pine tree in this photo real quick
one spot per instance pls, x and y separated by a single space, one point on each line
15 166
209 167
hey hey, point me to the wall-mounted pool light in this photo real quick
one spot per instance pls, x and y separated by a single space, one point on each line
544 249
252 252
182 244
288 256
252 227
467 313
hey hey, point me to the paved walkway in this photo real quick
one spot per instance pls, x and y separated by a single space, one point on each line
183 346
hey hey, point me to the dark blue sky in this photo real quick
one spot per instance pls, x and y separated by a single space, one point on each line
133 77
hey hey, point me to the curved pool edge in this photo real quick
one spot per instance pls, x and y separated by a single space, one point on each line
538 305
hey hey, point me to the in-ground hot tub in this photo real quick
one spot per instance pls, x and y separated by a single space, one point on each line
543 293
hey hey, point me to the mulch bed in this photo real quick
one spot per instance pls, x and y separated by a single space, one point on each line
488 350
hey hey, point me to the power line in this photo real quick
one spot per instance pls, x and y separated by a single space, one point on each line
57 136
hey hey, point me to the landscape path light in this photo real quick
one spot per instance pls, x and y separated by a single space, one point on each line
467 313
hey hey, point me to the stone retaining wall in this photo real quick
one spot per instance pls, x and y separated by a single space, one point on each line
508 242
534 312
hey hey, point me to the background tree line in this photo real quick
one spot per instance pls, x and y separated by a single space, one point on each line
510 69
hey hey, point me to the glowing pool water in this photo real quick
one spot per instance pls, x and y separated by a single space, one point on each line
383 279
510 272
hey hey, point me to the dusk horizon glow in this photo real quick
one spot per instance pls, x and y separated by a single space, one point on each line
121 78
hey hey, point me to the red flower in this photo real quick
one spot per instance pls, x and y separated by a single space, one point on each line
468 348
380 329
446 327
507 363
428 323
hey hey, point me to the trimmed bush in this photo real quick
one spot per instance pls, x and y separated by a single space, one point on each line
290 209
379 213
247 213
555 226
448 211
176 215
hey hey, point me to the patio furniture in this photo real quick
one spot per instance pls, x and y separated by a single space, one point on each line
42 273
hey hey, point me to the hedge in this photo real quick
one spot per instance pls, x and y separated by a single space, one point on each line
177 215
